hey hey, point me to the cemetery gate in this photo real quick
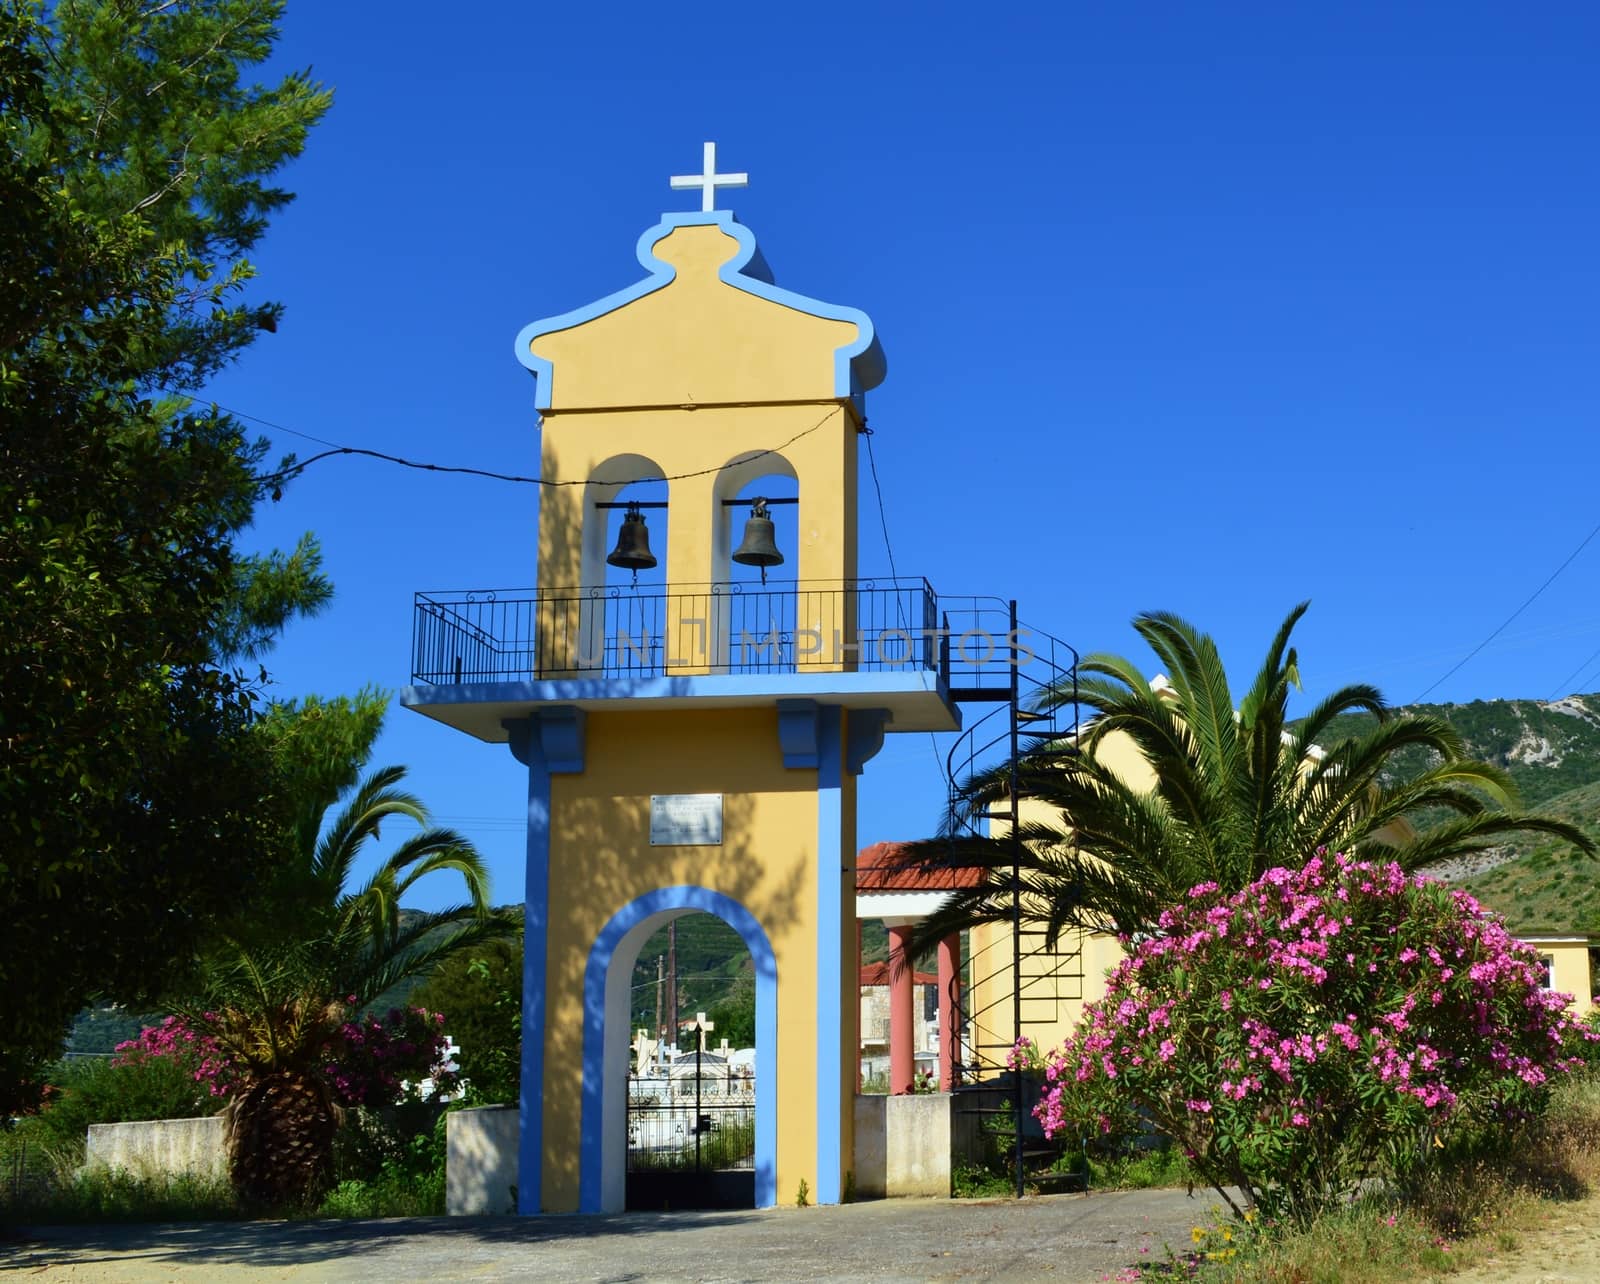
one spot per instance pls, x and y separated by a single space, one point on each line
691 1135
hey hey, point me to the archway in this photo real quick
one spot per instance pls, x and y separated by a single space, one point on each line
754 617
607 1042
620 614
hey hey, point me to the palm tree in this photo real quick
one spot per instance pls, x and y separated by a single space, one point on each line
273 1005
1238 789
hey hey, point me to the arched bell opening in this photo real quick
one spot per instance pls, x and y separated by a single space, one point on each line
620 613
755 557
700 1163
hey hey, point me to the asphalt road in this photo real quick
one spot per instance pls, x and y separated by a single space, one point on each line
1057 1237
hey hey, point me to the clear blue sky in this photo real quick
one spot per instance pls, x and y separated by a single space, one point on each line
1208 308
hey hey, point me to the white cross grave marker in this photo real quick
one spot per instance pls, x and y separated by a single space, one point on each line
644 1051
724 1049
701 1024
709 181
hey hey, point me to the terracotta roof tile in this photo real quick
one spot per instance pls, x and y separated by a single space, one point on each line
882 868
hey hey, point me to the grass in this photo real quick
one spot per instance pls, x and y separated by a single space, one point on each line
1142 1169
1459 1215
730 1145
381 1172
42 1186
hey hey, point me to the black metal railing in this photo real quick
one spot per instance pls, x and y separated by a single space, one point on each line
620 632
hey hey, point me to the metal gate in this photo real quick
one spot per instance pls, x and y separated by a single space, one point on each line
692 1136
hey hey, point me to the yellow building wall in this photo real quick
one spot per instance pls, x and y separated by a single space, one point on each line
1569 968
1055 982
622 445
601 860
713 387
695 341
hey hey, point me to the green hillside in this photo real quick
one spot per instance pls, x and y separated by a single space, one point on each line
1551 750
1548 747
1549 887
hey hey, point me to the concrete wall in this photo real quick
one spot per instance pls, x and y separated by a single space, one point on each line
902 1145
481 1161
161 1147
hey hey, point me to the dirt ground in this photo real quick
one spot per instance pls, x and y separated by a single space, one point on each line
1564 1249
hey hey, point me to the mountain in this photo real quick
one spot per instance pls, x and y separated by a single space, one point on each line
1551 751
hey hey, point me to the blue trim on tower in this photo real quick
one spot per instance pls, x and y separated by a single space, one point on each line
857 687
830 981
797 732
530 738
591 1157
858 366
864 737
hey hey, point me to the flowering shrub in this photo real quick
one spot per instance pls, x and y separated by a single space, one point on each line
375 1063
174 1042
367 1060
1025 1055
1298 1035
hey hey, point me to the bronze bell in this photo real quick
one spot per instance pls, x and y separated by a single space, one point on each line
759 547
632 552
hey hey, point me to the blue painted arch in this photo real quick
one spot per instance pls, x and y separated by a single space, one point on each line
606 1031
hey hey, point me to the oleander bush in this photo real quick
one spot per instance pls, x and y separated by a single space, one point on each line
1322 1026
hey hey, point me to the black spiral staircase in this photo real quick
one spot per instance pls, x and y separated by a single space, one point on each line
1028 678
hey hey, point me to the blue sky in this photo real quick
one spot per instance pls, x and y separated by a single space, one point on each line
1205 308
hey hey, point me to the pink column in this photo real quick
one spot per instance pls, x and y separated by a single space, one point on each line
902 1030
949 1010
856 991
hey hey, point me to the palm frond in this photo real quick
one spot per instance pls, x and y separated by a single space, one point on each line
1464 835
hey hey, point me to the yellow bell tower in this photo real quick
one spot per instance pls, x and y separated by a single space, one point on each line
692 738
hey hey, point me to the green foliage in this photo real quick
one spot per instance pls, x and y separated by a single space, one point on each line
1316 1029
1547 748
1236 783
133 180
404 1170
802 1196
97 1031
95 1090
980 1181
98 1195
274 1005
710 955
480 993
735 1015
1137 1168
731 1143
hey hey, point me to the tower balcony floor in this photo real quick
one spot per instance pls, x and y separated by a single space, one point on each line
480 657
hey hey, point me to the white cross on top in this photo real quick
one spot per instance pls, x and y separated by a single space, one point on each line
709 181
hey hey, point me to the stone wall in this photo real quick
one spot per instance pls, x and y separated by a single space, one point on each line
903 1145
161 1147
481 1161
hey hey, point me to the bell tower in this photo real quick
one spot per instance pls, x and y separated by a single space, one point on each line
692 734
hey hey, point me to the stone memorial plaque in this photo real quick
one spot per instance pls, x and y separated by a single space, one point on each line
685 820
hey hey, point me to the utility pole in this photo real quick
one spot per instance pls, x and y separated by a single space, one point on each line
660 972
672 983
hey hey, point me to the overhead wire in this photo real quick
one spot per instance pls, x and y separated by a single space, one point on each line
888 547
1531 599
335 449
1566 681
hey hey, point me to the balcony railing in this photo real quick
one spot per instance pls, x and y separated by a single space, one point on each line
619 632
